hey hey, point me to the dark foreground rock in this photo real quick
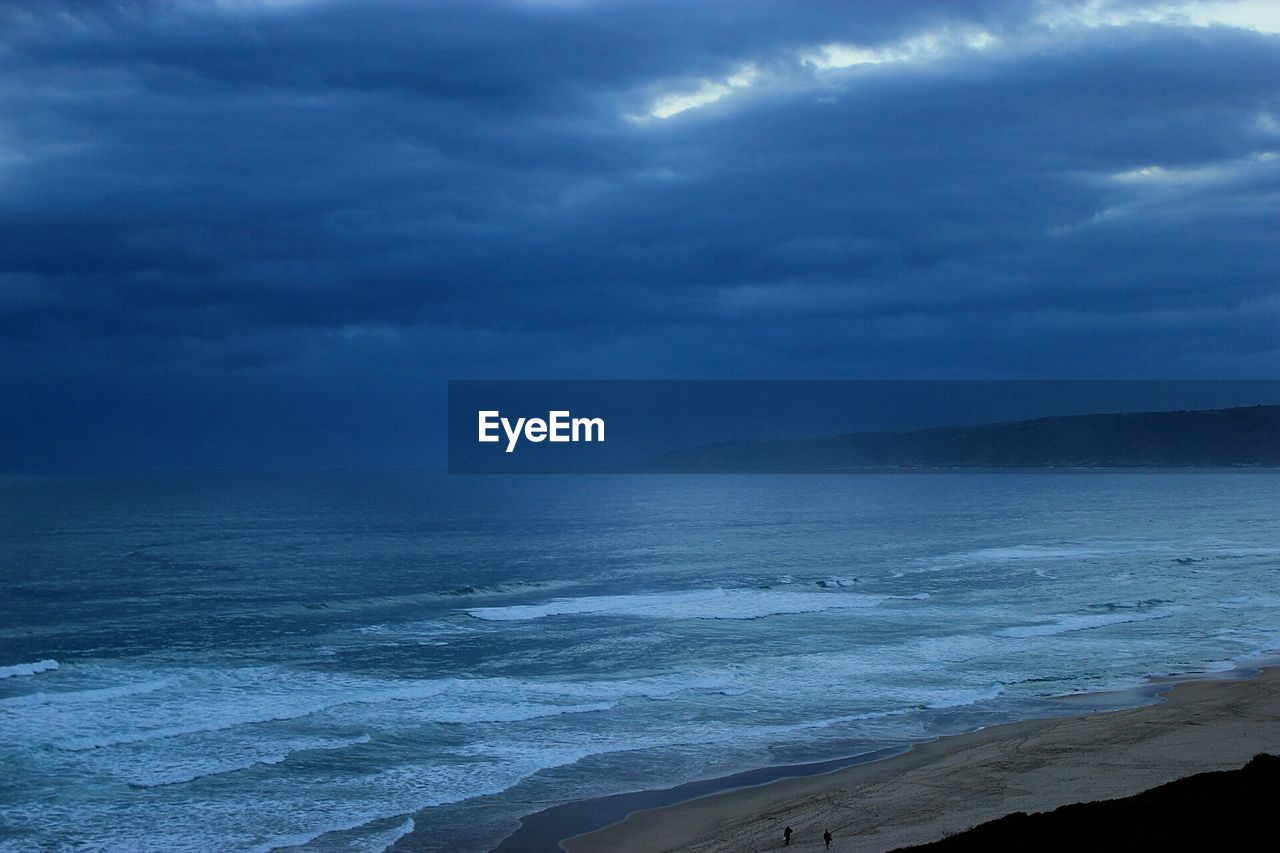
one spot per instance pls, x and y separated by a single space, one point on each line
1222 811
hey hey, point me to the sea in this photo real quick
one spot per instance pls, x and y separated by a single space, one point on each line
407 660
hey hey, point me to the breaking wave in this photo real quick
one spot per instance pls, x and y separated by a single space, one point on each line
28 668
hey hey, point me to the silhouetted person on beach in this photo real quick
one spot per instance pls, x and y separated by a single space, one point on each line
786 836
826 837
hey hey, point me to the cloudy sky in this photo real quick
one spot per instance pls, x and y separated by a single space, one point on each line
265 233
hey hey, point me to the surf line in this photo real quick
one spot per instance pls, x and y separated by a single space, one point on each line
558 426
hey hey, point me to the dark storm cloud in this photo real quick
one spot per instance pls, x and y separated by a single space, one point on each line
249 211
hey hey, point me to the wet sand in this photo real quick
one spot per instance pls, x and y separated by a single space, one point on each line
949 785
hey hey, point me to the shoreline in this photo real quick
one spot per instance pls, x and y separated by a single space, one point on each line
743 808
544 831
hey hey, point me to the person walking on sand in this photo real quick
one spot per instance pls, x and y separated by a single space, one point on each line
826 837
786 837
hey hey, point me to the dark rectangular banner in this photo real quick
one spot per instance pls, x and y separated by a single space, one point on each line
821 426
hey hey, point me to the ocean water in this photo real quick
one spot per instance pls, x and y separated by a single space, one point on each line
353 661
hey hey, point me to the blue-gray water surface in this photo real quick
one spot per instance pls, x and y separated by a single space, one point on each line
249 661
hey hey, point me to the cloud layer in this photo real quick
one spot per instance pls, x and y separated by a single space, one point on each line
264 233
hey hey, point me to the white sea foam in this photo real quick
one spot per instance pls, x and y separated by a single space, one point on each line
512 712
1022 554
836 582
235 704
28 668
1012 553
382 840
389 838
1251 599
89 696
377 602
1065 623
687 604
393 791
962 697
192 768
1031 552
951 649
198 701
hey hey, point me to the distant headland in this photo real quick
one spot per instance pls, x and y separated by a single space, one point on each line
1218 438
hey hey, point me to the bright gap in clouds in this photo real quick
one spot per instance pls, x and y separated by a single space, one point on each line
1222 170
921 47
1261 16
708 93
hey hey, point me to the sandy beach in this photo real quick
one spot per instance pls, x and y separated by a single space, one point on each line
949 785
